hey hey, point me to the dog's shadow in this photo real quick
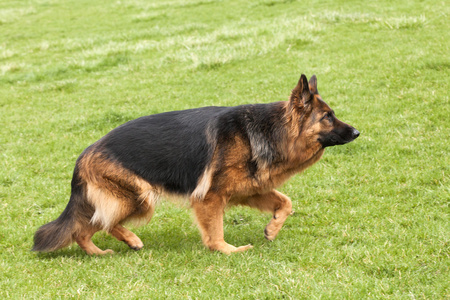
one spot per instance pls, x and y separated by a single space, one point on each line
167 239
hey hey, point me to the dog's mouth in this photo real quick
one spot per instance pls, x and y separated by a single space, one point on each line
334 138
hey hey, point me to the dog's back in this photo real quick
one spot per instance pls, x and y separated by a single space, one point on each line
215 156
169 150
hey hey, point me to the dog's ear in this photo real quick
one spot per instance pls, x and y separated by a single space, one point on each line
313 85
301 94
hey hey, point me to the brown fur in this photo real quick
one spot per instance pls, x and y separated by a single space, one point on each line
244 169
231 184
119 196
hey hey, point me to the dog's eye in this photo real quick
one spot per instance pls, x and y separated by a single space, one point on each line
329 116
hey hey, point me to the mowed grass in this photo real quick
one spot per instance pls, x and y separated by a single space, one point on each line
371 218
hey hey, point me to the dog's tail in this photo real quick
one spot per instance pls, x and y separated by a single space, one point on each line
60 232
56 234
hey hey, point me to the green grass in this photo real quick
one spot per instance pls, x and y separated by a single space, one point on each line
372 217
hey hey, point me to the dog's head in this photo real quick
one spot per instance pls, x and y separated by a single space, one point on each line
317 121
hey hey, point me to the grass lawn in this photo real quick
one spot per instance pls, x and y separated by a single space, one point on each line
371 218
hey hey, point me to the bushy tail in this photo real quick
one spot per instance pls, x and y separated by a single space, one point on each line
58 233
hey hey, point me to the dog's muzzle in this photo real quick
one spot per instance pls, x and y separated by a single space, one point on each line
355 133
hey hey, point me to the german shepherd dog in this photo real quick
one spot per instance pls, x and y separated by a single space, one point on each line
214 156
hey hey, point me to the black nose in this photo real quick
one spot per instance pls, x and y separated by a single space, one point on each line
355 133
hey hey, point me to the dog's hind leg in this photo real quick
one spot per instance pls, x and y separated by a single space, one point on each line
209 214
124 235
83 239
142 214
276 203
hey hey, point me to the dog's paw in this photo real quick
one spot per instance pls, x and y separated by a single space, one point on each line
270 234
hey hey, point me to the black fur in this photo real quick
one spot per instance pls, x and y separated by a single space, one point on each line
261 125
58 233
341 134
245 150
172 149
169 149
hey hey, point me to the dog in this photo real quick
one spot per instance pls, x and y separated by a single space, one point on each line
213 156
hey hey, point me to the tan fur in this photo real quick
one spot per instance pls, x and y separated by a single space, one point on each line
209 215
233 185
83 239
123 234
203 185
108 209
118 196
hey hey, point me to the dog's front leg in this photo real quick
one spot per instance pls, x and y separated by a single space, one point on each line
278 204
209 213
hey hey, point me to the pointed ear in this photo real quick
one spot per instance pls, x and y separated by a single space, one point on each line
301 95
313 85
